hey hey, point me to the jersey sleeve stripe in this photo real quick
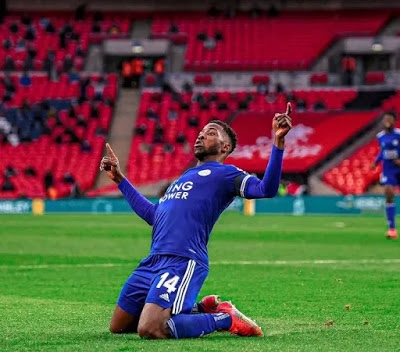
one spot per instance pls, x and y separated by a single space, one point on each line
180 296
243 185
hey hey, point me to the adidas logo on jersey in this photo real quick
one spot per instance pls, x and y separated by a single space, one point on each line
164 296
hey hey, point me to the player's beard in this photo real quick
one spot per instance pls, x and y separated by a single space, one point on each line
203 153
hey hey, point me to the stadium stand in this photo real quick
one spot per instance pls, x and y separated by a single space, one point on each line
168 124
166 128
53 115
353 175
61 127
245 44
54 39
40 87
53 48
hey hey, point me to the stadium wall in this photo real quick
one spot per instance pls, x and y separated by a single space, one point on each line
297 206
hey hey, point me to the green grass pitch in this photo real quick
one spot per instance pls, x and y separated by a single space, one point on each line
312 283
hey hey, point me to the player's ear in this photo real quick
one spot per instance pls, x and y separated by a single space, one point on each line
226 148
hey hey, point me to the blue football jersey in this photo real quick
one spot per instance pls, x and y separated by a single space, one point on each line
390 150
192 204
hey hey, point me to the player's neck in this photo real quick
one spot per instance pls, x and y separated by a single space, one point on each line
210 159
389 130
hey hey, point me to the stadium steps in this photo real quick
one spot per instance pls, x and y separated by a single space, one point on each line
369 99
322 63
120 136
392 28
94 60
177 57
319 187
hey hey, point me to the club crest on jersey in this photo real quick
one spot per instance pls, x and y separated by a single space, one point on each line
205 172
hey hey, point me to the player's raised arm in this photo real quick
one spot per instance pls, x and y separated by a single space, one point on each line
252 187
140 205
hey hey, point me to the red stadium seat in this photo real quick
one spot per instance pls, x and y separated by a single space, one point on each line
204 80
319 79
257 79
44 154
353 175
375 77
45 41
264 43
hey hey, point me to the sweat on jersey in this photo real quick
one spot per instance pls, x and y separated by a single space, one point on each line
389 143
184 217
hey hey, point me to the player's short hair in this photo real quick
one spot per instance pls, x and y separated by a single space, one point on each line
390 113
229 131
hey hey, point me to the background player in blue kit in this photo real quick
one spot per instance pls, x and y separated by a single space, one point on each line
389 142
157 299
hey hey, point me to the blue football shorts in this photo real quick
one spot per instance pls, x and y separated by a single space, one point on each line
166 280
390 178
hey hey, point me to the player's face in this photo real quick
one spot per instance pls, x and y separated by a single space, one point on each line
388 121
210 141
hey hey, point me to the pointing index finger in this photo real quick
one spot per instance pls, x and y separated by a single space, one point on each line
288 108
110 152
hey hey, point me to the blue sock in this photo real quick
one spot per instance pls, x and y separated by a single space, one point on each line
390 215
196 325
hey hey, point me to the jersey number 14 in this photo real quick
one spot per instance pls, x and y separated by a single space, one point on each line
170 284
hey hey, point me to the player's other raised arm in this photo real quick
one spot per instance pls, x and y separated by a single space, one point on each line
140 205
252 187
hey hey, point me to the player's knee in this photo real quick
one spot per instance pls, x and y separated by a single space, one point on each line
118 329
115 329
151 331
146 332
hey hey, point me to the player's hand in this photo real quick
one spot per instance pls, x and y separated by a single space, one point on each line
282 123
397 162
110 164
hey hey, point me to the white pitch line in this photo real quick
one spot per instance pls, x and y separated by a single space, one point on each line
56 266
236 262
316 261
